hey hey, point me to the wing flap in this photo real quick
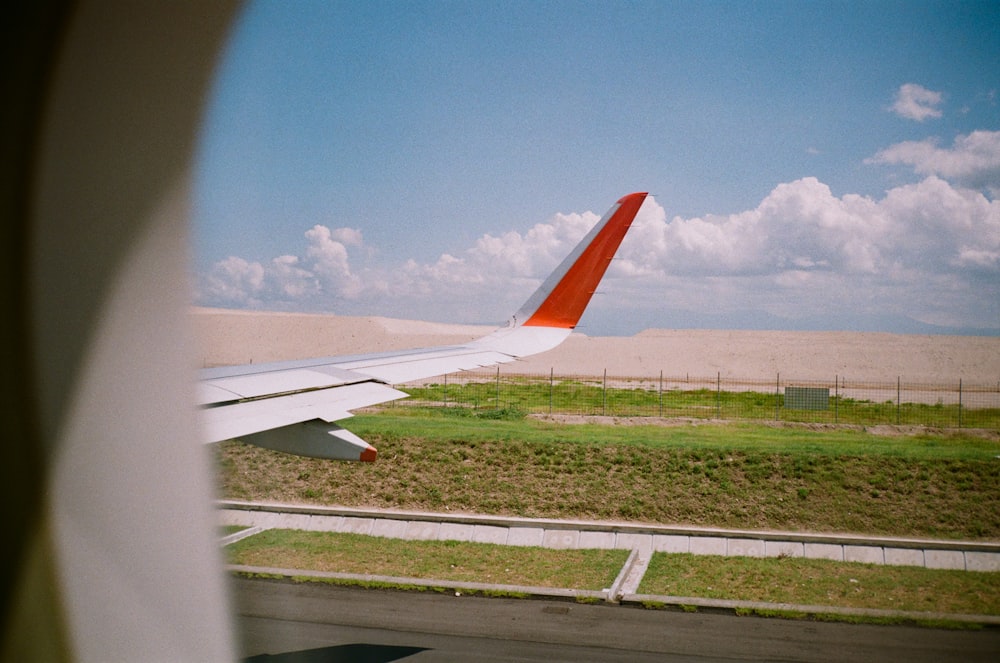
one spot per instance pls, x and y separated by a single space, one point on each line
226 388
241 419
253 386
315 439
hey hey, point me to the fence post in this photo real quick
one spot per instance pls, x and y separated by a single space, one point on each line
718 395
898 390
836 399
551 386
959 402
604 394
661 393
777 397
444 398
498 389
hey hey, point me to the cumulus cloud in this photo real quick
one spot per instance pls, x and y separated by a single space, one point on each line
972 161
923 248
536 252
928 250
800 225
493 276
287 280
233 281
803 226
915 102
327 252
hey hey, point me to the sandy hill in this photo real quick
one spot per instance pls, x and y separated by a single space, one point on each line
241 337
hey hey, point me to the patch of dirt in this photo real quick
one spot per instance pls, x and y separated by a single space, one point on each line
888 430
626 421
883 430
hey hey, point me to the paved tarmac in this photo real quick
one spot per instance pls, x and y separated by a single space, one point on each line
641 540
283 621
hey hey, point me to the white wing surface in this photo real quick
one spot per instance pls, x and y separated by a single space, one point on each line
290 406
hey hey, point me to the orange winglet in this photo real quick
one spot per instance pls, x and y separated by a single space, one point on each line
568 298
368 455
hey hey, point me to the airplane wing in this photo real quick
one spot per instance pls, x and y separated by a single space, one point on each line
291 406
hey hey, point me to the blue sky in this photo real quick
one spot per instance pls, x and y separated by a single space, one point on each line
827 165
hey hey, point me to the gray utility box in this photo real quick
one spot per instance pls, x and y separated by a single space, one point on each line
807 398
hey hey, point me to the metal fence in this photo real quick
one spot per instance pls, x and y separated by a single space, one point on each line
837 400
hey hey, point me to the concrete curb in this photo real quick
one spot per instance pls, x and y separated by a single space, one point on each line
929 553
615 592
639 539
750 607
239 536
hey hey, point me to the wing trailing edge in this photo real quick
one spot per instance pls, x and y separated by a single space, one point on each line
291 406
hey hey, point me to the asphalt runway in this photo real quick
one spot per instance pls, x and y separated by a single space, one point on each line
286 622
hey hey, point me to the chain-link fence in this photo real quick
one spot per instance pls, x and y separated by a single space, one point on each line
837 400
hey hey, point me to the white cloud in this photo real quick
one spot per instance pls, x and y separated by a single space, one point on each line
538 251
915 102
233 281
287 281
328 252
926 247
237 282
973 161
492 277
799 225
929 250
984 259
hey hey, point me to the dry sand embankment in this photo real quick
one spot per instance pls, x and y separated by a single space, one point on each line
241 337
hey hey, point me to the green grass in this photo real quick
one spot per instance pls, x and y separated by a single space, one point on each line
823 583
792 581
634 397
436 560
512 425
797 478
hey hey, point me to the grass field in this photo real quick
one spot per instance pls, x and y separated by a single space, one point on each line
727 399
916 482
438 560
927 483
823 582
782 580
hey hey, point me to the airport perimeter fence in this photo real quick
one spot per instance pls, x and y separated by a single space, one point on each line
839 400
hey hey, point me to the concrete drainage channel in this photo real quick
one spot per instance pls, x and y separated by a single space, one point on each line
641 540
